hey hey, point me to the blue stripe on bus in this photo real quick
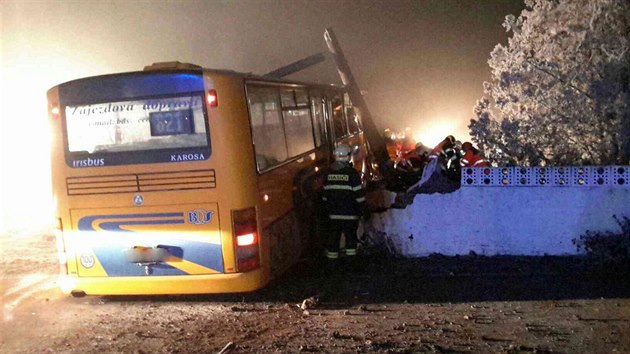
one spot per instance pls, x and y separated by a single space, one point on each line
85 223
115 263
205 254
115 225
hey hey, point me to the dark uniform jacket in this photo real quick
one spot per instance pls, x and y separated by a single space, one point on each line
344 196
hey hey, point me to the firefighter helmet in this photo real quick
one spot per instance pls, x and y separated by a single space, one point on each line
343 152
388 135
467 146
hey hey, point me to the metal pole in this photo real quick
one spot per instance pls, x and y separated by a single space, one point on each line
371 133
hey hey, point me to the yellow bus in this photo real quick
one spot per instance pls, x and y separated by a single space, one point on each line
178 179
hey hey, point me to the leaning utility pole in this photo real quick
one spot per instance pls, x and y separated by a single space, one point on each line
371 133
297 66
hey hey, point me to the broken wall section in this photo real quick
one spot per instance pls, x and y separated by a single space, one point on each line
513 213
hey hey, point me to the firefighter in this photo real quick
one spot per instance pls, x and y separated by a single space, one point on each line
405 154
440 149
408 149
472 156
390 143
344 200
453 155
387 167
423 151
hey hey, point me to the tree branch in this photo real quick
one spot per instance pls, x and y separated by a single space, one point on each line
535 66
570 139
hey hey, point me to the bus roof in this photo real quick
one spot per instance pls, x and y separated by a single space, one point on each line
179 67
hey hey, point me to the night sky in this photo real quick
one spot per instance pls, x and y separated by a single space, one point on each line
422 63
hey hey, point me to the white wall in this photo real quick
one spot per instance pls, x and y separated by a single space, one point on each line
508 220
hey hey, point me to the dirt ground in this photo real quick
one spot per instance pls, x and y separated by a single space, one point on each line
435 304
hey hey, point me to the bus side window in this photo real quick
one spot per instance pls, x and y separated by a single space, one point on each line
339 121
299 131
353 120
351 115
267 127
317 106
298 125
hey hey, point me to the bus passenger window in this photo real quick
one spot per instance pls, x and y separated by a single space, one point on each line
299 131
353 120
267 128
318 119
301 97
287 98
339 121
298 125
351 115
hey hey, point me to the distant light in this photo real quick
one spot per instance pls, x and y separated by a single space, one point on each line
55 111
211 98
266 197
432 132
316 168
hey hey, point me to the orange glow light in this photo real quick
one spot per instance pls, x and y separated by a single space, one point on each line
434 131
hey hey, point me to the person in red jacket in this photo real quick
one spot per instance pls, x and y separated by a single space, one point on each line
472 156
441 148
390 144
406 154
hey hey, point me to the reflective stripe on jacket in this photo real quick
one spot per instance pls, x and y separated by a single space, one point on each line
441 149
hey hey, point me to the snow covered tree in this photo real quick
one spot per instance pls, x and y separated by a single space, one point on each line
560 89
